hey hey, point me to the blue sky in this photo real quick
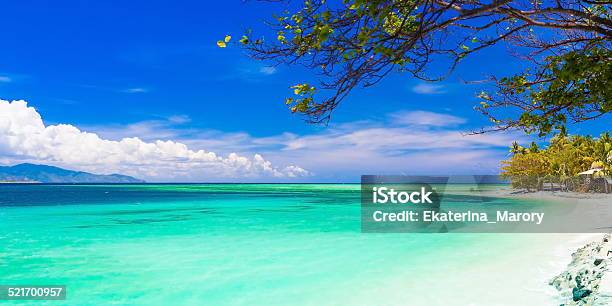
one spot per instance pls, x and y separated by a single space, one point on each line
151 68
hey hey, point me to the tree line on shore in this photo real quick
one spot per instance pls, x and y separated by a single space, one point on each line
560 162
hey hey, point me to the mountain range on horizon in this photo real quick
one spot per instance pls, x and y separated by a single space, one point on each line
34 173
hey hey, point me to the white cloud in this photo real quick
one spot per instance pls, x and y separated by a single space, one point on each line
179 119
428 89
136 90
345 152
5 79
411 142
24 137
425 118
268 70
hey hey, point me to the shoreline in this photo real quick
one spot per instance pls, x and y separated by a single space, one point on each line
581 281
546 195
586 279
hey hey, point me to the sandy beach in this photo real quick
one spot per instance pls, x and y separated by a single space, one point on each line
586 278
550 195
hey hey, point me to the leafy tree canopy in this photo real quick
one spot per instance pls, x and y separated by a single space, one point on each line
356 43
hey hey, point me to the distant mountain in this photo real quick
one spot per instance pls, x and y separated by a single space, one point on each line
49 174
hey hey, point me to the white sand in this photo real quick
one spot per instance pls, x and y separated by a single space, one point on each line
550 195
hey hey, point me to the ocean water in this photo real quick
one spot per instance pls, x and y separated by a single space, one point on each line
254 244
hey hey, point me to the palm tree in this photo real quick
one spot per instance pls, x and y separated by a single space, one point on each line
603 152
516 148
560 161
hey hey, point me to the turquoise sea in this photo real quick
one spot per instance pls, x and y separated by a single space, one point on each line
253 244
